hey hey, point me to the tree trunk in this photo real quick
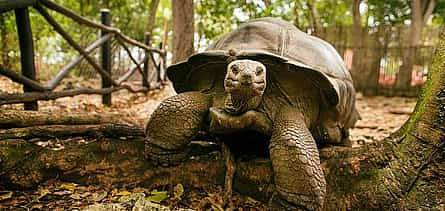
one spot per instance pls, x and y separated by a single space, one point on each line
183 29
315 18
421 11
152 15
371 61
4 41
403 172
357 68
267 3
296 13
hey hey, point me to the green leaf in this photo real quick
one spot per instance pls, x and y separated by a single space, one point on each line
68 186
123 193
157 196
5 195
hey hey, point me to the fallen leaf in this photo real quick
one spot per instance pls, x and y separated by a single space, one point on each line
157 196
75 196
122 193
83 195
98 196
37 206
5 195
61 193
140 190
216 206
131 197
43 192
251 201
68 186
178 190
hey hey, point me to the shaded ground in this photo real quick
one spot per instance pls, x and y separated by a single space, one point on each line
380 117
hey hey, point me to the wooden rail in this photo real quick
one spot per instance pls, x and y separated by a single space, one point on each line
81 20
67 68
34 91
6 5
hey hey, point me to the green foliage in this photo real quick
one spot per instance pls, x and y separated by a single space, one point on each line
212 18
388 12
217 17
8 44
439 12
334 12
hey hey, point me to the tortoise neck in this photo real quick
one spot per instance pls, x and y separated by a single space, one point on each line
239 104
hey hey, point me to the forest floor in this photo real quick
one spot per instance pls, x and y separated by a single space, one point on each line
380 117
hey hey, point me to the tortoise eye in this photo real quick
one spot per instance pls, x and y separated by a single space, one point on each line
235 69
259 70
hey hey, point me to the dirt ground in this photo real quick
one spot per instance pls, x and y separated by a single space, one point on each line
380 117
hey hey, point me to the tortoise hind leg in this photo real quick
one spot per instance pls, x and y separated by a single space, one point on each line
299 180
172 126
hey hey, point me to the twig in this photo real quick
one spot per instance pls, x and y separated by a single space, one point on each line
81 20
230 172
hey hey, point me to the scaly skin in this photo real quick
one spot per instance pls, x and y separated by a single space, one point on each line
222 122
298 177
173 125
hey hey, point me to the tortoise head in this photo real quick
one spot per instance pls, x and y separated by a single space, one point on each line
244 85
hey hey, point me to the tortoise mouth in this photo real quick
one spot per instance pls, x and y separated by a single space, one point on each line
237 84
234 110
246 89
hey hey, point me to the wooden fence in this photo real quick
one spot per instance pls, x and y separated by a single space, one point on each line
376 57
34 91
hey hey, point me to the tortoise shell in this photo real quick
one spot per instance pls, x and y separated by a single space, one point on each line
288 53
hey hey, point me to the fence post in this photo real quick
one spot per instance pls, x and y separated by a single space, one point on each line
145 82
105 18
162 65
26 51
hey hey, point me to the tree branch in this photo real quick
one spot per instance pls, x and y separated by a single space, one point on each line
428 10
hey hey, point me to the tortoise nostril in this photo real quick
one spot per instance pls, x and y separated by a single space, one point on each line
246 78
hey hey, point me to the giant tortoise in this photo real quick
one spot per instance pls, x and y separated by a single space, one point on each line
266 76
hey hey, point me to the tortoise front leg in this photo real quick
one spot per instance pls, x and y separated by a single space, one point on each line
172 126
299 180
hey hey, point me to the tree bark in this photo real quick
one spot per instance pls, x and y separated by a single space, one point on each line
17 119
183 29
357 69
315 18
49 131
152 15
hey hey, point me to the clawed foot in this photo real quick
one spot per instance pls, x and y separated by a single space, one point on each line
161 157
277 203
